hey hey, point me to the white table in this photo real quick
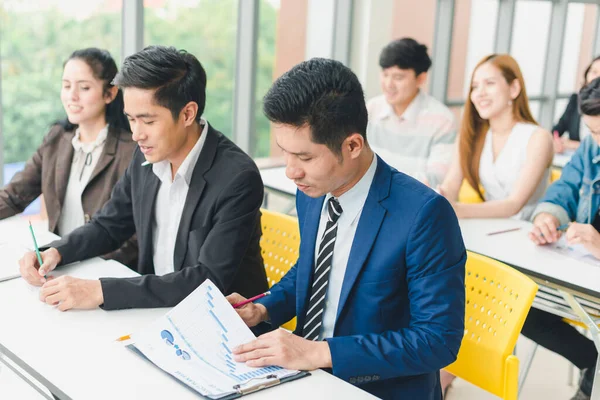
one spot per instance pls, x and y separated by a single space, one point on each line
275 179
74 354
561 159
575 282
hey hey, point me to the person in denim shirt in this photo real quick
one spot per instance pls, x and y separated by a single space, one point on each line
573 200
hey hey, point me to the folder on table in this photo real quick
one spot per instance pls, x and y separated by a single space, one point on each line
193 343
10 255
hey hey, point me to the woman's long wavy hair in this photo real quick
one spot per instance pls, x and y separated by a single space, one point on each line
473 128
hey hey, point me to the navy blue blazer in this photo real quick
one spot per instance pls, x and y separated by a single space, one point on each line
401 310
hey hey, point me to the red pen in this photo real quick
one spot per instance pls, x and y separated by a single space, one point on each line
251 299
504 231
556 136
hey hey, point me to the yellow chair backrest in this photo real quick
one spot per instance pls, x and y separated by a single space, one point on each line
279 245
467 194
555 174
497 303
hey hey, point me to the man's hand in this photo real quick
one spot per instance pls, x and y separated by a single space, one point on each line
252 314
286 350
30 269
559 146
586 235
68 292
545 229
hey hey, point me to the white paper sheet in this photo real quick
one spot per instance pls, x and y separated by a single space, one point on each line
193 342
10 254
577 251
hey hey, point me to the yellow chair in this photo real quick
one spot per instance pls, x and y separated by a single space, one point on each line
555 174
467 194
279 245
497 303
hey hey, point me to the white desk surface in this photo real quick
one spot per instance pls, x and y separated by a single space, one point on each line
16 230
561 159
274 178
75 354
516 249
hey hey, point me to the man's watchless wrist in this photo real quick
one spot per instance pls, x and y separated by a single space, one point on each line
264 313
58 255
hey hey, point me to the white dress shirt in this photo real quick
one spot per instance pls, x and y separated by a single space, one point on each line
352 203
85 158
170 201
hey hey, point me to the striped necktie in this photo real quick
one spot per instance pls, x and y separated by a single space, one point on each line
316 305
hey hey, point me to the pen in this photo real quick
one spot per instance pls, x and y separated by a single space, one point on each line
563 227
35 245
504 231
251 299
123 338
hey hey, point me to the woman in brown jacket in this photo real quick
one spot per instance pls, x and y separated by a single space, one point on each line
82 157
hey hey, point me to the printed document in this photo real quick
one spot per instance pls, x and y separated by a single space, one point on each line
193 343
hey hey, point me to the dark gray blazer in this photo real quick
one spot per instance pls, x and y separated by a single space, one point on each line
218 235
570 120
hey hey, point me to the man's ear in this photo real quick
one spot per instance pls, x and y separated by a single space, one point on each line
421 79
189 112
354 144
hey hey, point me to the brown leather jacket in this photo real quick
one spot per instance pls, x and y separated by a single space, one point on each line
47 172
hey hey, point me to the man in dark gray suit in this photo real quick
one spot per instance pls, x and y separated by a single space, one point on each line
191 195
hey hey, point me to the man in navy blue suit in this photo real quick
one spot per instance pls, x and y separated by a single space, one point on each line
378 287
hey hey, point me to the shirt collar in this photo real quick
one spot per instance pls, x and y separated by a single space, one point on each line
411 112
88 147
162 169
354 199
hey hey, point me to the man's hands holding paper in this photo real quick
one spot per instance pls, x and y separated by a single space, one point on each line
286 350
279 347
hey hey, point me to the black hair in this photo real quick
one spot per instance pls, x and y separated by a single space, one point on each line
323 94
104 68
589 98
405 53
587 70
177 76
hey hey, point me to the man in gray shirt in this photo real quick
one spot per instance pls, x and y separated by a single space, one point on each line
410 130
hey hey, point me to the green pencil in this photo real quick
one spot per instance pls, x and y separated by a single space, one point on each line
35 245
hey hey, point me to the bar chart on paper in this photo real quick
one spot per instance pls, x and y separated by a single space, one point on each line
216 322
193 342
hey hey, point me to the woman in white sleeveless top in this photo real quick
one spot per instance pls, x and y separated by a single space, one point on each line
498 178
501 149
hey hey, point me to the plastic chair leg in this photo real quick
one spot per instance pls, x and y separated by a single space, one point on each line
526 366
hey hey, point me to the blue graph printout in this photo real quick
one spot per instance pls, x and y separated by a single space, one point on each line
193 342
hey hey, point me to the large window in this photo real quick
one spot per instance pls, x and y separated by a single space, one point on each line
482 34
530 41
36 37
207 29
570 77
265 64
